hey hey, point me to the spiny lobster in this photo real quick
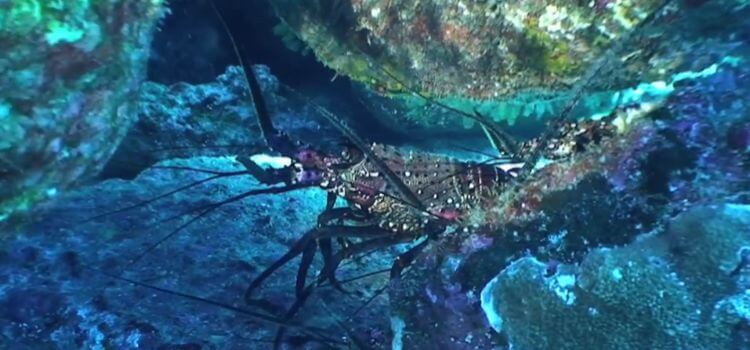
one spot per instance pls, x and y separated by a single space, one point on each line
392 197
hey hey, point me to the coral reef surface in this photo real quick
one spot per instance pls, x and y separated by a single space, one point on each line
685 289
580 238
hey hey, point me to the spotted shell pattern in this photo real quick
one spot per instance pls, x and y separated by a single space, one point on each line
447 188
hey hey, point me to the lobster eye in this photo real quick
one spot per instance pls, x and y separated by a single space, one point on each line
309 176
307 156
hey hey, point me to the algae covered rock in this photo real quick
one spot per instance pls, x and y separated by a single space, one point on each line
568 233
69 74
482 49
509 60
677 290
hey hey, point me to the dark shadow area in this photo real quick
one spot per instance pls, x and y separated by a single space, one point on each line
193 47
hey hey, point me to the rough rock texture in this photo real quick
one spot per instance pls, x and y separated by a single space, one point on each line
666 158
69 75
447 48
585 237
510 60
53 297
212 119
680 290
677 151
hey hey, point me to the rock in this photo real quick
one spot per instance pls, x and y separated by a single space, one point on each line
514 62
579 220
446 49
670 286
212 119
70 76
66 256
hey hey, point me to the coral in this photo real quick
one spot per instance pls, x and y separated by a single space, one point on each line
70 74
665 291
675 147
709 242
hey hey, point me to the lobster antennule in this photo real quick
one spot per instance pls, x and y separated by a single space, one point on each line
500 140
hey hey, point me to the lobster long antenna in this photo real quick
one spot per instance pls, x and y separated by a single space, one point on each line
207 209
275 139
217 175
315 333
578 89
196 170
269 131
177 148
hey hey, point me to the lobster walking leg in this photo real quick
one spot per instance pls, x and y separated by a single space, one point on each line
307 258
405 259
328 273
299 247
326 250
335 214
301 299
328 215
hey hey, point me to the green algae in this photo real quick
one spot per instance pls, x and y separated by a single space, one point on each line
549 56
